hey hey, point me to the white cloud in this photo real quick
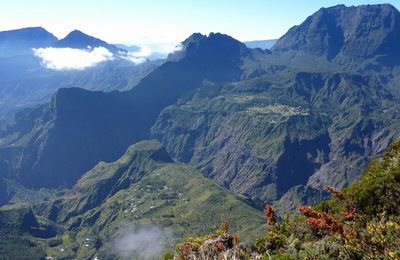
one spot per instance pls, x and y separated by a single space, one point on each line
163 48
176 48
143 52
151 51
72 59
135 60
139 56
139 242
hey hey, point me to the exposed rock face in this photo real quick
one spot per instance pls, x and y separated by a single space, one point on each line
60 140
347 34
263 137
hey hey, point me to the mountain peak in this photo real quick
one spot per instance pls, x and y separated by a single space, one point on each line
35 29
359 10
21 41
354 32
201 38
78 40
78 33
215 44
195 37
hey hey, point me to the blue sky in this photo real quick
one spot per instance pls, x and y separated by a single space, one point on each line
164 21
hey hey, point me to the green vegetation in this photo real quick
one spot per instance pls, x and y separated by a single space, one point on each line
171 196
359 222
274 126
22 233
143 187
269 127
274 137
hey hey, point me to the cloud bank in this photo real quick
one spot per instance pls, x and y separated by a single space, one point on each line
79 59
139 56
161 48
72 59
151 51
140 242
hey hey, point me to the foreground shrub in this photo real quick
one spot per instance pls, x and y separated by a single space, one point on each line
359 222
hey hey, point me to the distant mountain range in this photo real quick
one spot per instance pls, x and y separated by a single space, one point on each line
204 58
26 81
268 125
22 41
17 58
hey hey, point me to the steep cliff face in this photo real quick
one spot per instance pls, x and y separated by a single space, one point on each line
347 35
58 141
262 137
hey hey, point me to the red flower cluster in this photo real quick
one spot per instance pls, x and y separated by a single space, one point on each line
185 251
236 239
335 192
322 221
349 215
226 227
270 215
219 246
